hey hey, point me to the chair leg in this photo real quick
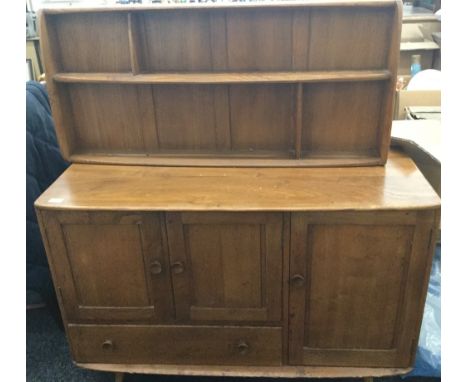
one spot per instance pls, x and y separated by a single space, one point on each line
119 377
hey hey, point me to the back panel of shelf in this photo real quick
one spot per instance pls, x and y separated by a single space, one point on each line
310 83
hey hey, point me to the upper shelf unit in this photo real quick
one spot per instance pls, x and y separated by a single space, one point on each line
281 84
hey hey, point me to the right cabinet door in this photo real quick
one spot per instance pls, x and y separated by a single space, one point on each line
357 286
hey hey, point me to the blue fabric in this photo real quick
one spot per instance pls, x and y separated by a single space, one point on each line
44 164
428 355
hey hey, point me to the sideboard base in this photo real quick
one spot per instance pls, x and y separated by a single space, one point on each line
249 371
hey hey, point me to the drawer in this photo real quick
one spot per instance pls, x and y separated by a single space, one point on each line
202 345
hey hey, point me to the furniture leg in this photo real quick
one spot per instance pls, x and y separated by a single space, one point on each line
119 377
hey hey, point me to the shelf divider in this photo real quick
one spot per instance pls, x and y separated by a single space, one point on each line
298 120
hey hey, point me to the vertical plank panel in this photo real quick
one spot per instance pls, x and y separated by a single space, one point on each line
134 43
204 246
242 262
222 118
148 128
261 117
351 130
300 39
186 117
93 42
178 41
259 40
218 42
352 38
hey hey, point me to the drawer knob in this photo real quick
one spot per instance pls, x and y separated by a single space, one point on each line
242 347
156 267
297 280
107 345
177 267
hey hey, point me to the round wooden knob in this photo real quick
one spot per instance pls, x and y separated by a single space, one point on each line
107 345
155 267
242 347
297 280
177 267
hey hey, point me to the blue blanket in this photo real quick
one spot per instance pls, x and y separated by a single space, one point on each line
44 164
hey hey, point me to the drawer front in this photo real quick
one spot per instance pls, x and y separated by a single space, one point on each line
200 345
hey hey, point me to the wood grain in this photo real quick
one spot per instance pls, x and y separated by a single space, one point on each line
225 77
356 318
241 254
222 80
326 131
103 265
189 7
177 344
250 371
398 185
93 43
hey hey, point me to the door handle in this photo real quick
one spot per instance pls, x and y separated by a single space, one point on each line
178 267
155 267
297 280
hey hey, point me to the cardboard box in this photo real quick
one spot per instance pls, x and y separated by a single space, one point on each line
421 140
407 98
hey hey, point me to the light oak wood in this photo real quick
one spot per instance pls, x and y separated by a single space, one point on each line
251 371
372 255
176 344
189 7
398 185
309 84
239 158
193 276
106 267
241 253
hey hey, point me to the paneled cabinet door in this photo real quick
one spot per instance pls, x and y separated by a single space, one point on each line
226 266
357 286
109 266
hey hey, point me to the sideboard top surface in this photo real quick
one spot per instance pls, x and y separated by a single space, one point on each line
398 185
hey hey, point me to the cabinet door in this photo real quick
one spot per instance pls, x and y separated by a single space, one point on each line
109 266
226 266
357 287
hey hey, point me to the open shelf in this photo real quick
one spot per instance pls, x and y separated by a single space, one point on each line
224 78
275 86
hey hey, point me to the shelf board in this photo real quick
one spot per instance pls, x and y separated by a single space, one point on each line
224 78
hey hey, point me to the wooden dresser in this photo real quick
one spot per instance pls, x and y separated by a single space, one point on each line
241 267
208 224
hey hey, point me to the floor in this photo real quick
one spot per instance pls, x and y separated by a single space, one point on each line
48 359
